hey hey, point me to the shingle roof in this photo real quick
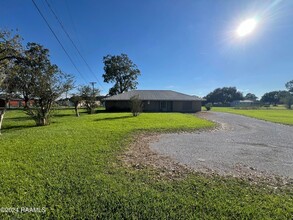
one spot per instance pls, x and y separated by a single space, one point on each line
160 95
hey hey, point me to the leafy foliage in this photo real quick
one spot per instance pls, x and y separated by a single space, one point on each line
273 97
224 95
136 105
121 71
288 100
48 83
289 86
10 50
250 96
10 46
208 106
89 95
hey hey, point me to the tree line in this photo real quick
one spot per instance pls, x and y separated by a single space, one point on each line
226 95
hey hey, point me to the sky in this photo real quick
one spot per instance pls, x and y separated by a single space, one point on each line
189 46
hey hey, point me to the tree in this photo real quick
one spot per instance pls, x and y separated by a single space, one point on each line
10 46
49 83
10 51
121 71
25 79
224 95
288 99
289 86
76 99
89 95
69 85
250 96
273 97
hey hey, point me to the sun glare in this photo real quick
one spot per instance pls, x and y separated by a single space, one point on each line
246 27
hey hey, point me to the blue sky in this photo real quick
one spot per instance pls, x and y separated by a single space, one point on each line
188 46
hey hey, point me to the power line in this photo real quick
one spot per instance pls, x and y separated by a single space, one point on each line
65 31
58 40
93 85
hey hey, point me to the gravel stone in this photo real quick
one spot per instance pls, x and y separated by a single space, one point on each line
254 145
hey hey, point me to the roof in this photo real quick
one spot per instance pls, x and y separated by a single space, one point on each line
244 101
149 95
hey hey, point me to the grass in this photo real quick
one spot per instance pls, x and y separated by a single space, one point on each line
70 169
275 114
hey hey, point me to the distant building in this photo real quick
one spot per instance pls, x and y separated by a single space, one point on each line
155 101
243 103
13 103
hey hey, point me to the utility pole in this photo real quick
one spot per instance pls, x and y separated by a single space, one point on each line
93 85
93 98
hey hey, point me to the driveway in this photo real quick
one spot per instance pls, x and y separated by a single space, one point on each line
239 141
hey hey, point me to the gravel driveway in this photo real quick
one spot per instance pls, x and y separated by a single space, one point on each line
240 141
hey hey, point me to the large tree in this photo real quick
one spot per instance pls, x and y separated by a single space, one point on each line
288 98
49 83
10 51
289 86
121 71
224 95
273 97
25 79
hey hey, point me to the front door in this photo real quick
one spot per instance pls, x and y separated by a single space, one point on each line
166 106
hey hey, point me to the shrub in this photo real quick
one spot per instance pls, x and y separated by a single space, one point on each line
208 106
136 105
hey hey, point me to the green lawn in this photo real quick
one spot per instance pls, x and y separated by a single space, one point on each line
70 168
275 114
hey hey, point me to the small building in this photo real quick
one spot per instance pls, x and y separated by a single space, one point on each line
243 103
155 101
15 103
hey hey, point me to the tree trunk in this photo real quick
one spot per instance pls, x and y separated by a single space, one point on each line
2 113
26 99
76 110
42 121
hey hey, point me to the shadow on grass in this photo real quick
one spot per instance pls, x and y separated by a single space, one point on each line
114 118
18 119
16 127
101 111
62 115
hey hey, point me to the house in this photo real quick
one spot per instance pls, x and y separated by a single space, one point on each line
154 101
13 103
243 103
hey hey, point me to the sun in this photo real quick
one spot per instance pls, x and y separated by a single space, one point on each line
246 27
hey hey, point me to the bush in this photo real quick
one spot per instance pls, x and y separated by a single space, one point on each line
136 105
208 106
